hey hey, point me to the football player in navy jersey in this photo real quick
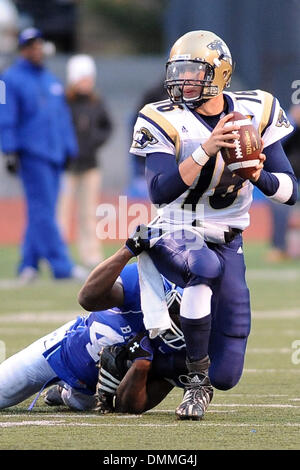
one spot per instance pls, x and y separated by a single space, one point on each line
70 354
203 208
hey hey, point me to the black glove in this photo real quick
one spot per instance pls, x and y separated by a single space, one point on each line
140 240
12 163
140 347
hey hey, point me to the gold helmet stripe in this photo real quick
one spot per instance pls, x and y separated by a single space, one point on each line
164 124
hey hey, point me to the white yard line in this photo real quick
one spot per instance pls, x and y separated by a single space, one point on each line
272 371
279 275
13 283
125 416
46 423
288 313
54 316
11 424
251 425
269 350
252 405
252 395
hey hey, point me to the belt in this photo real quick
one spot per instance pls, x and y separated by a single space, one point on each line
231 234
228 235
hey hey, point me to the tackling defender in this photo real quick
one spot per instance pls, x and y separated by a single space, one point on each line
198 196
71 352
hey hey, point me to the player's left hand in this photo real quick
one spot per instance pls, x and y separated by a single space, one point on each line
256 174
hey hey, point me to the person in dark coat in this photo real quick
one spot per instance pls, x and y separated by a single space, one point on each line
37 137
83 177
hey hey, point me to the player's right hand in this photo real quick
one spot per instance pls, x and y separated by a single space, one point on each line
220 137
140 240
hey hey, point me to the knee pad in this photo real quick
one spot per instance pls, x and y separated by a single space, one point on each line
227 354
225 379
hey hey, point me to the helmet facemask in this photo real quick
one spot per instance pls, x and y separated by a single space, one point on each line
190 82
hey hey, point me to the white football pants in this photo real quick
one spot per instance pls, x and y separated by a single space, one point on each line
25 373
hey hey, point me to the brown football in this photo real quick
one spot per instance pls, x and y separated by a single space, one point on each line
243 159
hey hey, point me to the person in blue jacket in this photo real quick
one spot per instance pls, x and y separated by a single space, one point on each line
37 139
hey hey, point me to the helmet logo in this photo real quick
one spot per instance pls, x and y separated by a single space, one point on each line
142 138
221 48
282 119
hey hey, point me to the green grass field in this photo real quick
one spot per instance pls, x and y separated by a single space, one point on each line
261 412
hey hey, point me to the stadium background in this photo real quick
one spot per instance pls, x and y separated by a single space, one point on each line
129 40
263 38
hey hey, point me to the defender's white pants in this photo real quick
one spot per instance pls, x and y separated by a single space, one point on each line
24 373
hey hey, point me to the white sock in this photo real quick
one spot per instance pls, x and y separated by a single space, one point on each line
196 301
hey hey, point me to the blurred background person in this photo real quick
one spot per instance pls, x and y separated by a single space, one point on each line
37 137
82 182
9 26
130 45
281 216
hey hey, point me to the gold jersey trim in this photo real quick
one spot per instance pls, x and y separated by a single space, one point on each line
267 109
162 122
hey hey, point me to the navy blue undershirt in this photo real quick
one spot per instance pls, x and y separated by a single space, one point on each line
165 183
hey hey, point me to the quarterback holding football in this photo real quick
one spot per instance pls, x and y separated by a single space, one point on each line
195 144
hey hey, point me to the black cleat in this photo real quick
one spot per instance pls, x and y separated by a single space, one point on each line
105 403
112 368
113 361
198 393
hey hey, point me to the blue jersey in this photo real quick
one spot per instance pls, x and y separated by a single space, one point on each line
74 358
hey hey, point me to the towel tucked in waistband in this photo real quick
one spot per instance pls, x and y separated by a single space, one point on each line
153 298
